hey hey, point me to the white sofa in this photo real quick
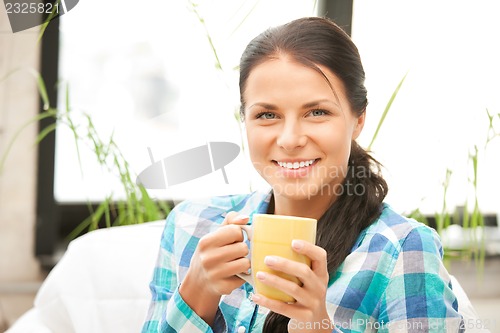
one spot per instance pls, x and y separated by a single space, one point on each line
102 285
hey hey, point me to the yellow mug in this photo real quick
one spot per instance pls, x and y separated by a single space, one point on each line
272 235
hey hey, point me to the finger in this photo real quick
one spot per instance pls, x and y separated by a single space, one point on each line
235 218
225 235
291 310
229 216
231 268
229 284
317 255
300 270
225 254
280 307
288 287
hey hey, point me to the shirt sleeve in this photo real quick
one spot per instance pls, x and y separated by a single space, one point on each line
419 296
167 311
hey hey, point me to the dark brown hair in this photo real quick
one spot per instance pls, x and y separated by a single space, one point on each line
317 41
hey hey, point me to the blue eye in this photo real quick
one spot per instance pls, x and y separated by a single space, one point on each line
266 115
317 113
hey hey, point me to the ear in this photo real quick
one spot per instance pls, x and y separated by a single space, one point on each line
360 123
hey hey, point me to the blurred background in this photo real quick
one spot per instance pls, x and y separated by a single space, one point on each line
133 82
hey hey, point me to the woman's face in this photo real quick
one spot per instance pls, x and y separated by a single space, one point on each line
299 130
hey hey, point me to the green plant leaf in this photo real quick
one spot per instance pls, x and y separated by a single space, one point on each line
49 18
107 212
48 114
194 6
79 229
246 16
96 217
417 215
42 89
466 217
386 111
44 132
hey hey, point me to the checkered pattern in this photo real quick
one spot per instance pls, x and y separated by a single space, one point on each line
392 281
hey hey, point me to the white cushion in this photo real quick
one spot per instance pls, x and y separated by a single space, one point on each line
472 322
100 284
29 323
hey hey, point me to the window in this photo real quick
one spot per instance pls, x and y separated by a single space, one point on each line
146 72
449 49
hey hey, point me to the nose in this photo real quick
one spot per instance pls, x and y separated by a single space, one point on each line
292 136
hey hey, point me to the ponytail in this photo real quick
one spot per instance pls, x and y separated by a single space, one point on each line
359 205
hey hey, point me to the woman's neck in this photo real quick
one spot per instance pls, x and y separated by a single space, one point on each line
313 207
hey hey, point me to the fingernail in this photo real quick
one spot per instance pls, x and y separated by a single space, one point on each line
242 217
297 244
270 260
261 276
255 298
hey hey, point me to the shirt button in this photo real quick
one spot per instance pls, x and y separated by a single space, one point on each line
242 329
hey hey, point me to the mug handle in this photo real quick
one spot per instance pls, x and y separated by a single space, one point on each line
247 234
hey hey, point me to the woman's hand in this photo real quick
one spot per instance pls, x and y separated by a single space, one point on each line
221 255
217 258
309 310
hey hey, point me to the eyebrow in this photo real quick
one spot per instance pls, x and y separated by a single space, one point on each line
265 106
305 106
318 102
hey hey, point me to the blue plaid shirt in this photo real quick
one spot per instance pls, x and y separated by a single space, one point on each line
392 281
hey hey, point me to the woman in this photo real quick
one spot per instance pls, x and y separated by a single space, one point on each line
303 102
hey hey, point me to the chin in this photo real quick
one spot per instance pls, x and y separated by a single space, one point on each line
296 191
306 190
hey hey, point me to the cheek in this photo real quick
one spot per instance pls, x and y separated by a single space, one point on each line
336 143
259 135
337 163
251 139
343 151
257 142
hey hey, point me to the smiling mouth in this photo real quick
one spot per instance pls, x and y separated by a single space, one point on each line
297 164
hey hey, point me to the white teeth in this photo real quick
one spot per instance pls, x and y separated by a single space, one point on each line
295 165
